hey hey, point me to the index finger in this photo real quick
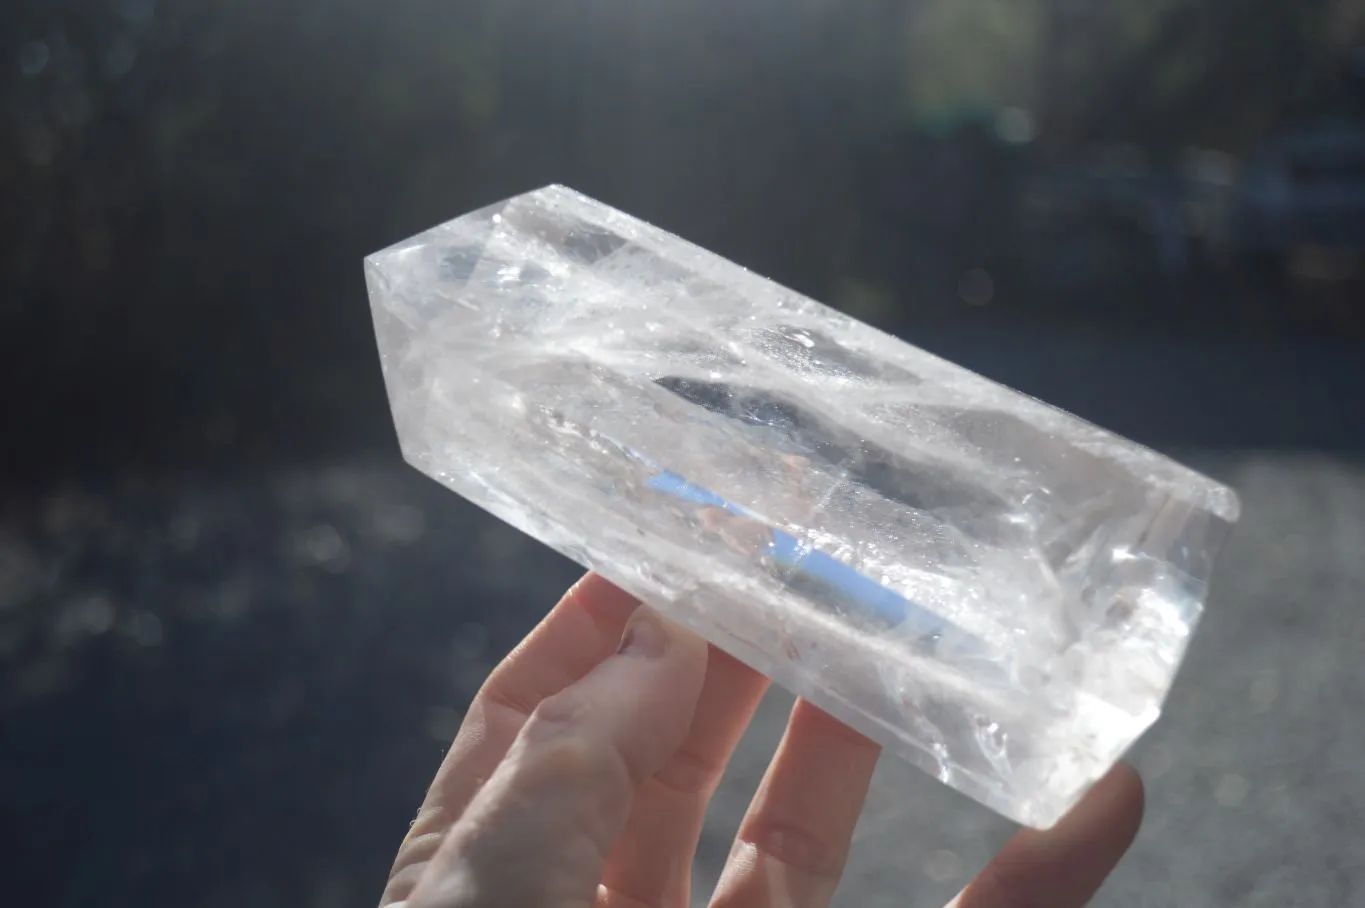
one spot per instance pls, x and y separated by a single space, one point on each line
582 630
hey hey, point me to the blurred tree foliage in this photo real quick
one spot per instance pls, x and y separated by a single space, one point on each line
1170 74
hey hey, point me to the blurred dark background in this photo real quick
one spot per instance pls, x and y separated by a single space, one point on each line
235 630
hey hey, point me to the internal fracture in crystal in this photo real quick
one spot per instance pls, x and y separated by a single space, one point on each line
995 590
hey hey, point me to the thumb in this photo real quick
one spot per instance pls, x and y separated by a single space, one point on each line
539 831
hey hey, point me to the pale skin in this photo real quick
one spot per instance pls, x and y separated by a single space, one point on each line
582 773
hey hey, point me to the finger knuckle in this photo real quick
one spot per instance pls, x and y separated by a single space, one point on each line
416 849
558 746
689 773
567 757
553 714
800 848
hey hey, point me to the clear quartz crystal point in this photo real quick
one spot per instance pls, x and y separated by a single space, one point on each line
995 590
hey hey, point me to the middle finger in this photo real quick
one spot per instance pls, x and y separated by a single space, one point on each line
795 838
651 864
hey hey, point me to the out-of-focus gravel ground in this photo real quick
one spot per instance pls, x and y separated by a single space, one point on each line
232 691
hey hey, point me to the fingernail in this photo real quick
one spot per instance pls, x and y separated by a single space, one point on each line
645 635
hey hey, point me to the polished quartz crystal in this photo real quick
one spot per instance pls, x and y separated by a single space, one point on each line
995 590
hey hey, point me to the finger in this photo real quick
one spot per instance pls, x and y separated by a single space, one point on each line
794 841
537 835
583 629
1062 867
651 864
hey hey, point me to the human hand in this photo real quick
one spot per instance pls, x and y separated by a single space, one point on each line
581 776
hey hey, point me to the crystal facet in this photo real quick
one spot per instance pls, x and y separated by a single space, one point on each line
995 590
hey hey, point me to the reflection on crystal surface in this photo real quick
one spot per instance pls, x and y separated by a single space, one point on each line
997 591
